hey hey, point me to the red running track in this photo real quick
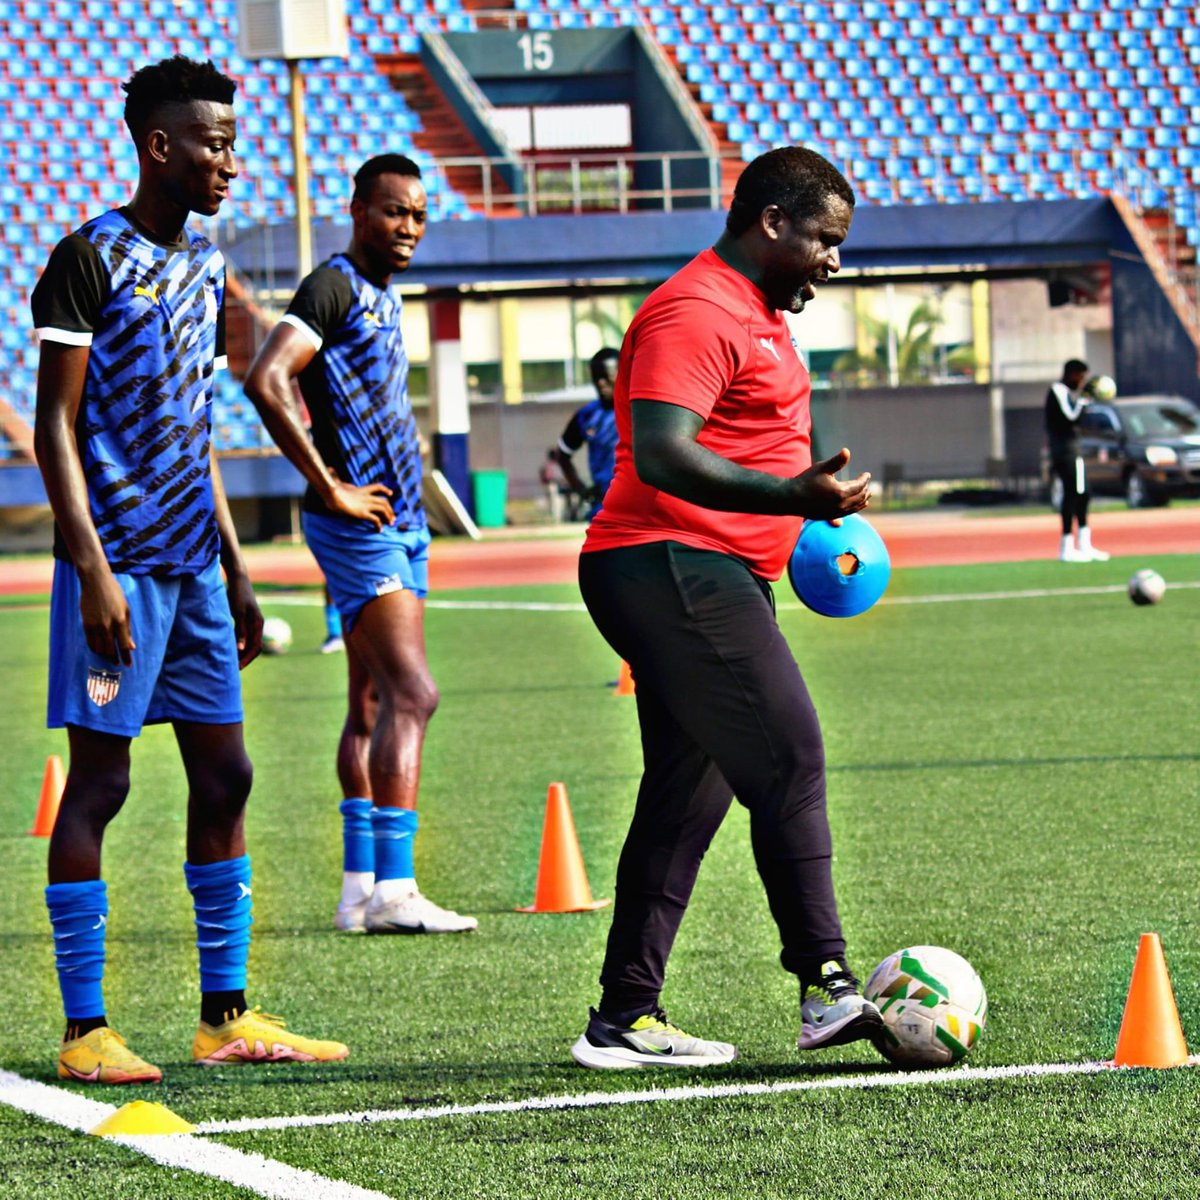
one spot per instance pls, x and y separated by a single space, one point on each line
933 538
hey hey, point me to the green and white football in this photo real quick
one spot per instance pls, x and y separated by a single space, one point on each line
933 1003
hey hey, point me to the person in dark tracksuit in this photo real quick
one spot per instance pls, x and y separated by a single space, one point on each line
714 475
1065 403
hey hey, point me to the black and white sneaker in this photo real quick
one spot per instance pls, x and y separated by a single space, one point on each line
649 1041
833 1011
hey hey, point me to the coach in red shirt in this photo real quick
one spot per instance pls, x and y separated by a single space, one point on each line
714 476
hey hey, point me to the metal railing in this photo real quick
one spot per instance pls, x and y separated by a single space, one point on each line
577 183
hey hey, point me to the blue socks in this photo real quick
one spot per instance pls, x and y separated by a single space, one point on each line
221 898
393 829
79 916
333 621
358 841
377 841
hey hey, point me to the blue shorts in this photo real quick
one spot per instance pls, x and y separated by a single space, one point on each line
185 665
360 564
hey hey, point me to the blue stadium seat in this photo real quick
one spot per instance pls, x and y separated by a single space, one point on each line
1006 81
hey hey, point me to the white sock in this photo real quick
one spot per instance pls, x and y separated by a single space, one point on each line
1085 538
357 886
1067 546
387 890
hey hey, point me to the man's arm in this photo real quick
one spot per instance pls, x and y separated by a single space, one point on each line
247 619
1071 406
667 456
571 440
105 611
283 356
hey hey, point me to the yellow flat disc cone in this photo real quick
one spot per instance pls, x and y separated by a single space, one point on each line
139 1117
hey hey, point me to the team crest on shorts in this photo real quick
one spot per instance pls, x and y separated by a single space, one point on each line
102 686
389 583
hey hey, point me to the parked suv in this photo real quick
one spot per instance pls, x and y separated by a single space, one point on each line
1145 448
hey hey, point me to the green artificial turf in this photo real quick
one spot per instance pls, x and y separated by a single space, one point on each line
1015 779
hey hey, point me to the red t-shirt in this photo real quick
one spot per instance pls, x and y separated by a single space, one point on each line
707 341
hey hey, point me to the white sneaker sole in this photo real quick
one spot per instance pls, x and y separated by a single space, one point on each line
867 1019
469 925
617 1058
350 921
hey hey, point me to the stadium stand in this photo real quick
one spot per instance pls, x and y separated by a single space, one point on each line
923 101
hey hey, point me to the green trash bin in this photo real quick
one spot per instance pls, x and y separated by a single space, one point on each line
489 490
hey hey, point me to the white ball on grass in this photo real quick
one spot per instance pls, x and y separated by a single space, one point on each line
276 636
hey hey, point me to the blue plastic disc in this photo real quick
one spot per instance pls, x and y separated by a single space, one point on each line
839 570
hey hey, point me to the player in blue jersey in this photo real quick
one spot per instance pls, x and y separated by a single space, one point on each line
129 312
366 526
596 425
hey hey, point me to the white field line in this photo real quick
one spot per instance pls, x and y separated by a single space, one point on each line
302 600
718 1091
790 605
183 1151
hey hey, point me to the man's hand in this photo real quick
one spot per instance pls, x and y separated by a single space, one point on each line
106 620
824 498
247 619
366 503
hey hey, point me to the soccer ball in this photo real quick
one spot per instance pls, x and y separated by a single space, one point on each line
1146 587
933 1003
277 636
1101 387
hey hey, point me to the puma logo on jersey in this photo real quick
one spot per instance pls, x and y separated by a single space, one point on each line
373 319
769 344
151 292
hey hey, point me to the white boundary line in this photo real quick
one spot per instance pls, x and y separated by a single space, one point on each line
655 1095
299 600
278 1181
185 1151
792 605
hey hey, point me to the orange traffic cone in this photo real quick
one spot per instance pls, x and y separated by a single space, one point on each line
1151 1035
53 782
562 884
625 685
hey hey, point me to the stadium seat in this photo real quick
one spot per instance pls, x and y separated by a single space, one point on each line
1013 80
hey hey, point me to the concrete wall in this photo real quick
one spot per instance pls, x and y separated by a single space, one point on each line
933 433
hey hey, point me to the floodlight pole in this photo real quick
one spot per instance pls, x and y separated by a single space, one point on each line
300 185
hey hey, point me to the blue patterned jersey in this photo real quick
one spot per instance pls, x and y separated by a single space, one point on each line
596 424
152 316
356 386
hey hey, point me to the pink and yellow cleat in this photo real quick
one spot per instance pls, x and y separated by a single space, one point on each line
101 1056
256 1036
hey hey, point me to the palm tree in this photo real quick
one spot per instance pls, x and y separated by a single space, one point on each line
900 358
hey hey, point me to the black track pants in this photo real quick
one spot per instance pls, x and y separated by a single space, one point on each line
1068 466
723 712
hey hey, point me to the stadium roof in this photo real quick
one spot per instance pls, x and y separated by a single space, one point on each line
603 247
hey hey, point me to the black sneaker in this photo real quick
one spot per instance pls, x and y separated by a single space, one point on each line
649 1041
833 1011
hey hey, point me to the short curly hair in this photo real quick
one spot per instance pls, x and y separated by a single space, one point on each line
382 164
177 80
796 179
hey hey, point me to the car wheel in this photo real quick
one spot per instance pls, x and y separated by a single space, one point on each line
1138 495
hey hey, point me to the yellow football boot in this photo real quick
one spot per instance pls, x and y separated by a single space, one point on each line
256 1036
101 1056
